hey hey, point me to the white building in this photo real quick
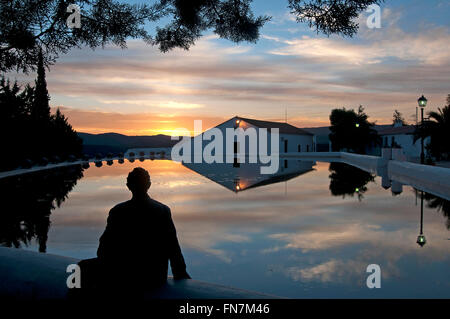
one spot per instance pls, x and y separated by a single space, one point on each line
291 139
402 136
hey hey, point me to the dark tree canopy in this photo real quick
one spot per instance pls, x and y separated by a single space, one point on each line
331 16
352 131
29 26
397 117
230 19
40 110
28 131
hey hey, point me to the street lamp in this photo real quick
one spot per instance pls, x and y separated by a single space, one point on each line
422 101
422 104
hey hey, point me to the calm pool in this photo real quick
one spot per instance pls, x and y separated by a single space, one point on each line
310 232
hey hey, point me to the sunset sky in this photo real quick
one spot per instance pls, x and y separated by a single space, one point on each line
140 91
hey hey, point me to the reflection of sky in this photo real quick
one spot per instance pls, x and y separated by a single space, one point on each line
291 239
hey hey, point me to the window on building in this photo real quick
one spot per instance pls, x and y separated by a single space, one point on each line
299 148
285 146
285 163
307 148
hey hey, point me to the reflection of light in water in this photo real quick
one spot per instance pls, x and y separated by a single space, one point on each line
181 183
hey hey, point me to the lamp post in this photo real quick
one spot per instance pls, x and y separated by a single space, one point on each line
422 104
421 241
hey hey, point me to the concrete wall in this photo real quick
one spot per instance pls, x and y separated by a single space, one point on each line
365 162
432 179
27 275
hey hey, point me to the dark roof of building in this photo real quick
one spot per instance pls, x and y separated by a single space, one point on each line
284 128
407 129
325 130
276 179
383 129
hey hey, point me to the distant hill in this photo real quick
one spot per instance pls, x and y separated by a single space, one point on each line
116 143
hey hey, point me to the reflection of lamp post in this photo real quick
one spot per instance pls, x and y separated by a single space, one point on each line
421 240
422 104
237 185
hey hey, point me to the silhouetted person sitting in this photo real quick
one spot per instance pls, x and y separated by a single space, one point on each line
139 240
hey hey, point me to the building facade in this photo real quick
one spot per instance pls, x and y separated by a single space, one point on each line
291 139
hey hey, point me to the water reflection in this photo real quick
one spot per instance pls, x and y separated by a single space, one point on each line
421 240
348 180
30 199
302 242
238 178
441 205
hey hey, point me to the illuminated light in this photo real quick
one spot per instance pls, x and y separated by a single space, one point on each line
357 190
238 188
421 241
238 121
422 101
357 124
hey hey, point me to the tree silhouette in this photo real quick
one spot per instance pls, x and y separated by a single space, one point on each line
397 117
28 131
28 202
331 16
348 180
352 131
440 204
40 108
438 129
29 26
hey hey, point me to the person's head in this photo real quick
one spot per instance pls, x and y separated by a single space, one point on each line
138 181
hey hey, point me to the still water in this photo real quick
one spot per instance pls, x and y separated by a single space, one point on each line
309 232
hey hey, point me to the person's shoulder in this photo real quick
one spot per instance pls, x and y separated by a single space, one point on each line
120 206
159 205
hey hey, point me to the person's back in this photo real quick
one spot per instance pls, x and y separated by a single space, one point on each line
139 239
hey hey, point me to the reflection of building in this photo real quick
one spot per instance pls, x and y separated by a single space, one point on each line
248 175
